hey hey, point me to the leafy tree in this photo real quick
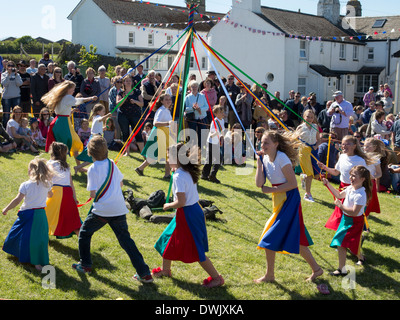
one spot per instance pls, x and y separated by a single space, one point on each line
88 58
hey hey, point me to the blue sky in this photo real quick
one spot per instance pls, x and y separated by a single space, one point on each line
48 18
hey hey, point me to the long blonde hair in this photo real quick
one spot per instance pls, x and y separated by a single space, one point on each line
55 95
287 143
358 151
40 172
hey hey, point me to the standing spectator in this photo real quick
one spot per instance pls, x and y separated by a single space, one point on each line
313 104
112 102
11 82
149 88
104 87
25 103
130 111
243 106
74 76
378 106
39 87
56 78
395 129
275 104
32 67
379 93
233 90
50 69
46 59
294 107
90 87
340 110
324 120
387 102
386 87
140 75
369 97
196 103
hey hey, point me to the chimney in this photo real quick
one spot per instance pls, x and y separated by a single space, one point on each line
353 8
202 7
249 5
330 10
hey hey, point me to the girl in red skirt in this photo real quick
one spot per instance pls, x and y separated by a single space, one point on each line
352 155
349 232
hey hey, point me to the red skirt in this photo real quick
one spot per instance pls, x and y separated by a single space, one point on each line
334 220
373 204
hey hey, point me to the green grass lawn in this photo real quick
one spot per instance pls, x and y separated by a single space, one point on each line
232 239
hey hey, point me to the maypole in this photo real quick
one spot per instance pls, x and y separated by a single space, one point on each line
192 5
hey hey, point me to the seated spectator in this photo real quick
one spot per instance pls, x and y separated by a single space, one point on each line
44 120
27 141
394 171
37 137
378 126
333 153
7 143
367 113
84 131
13 125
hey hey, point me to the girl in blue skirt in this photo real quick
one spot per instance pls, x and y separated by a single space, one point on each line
28 238
285 231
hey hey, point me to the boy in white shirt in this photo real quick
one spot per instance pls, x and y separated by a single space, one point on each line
213 161
104 184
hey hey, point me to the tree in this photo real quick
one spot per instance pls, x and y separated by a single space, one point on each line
88 58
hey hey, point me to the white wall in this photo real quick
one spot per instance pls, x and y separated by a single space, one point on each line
256 54
90 25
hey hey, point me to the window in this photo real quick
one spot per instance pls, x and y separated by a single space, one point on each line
342 51
301 87
379 23
371 55
131 38
303 49
348 80
169 40
191 62
364 81
203 63
150 40
355 53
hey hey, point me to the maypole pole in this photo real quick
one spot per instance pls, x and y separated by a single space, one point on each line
192 5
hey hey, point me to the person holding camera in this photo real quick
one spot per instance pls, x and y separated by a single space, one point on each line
341 111
11 82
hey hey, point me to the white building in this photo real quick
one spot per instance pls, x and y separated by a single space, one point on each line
309 53
134 30
287 50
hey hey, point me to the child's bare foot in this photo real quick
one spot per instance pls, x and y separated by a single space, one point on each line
315 274
264 279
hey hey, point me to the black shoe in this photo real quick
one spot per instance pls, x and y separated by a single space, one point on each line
204 177
213 179
139 172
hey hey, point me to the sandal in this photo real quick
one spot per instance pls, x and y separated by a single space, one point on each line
338 273
159 273
210 282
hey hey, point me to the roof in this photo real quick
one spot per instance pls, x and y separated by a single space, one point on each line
138 12
363 26
302 24
326 72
